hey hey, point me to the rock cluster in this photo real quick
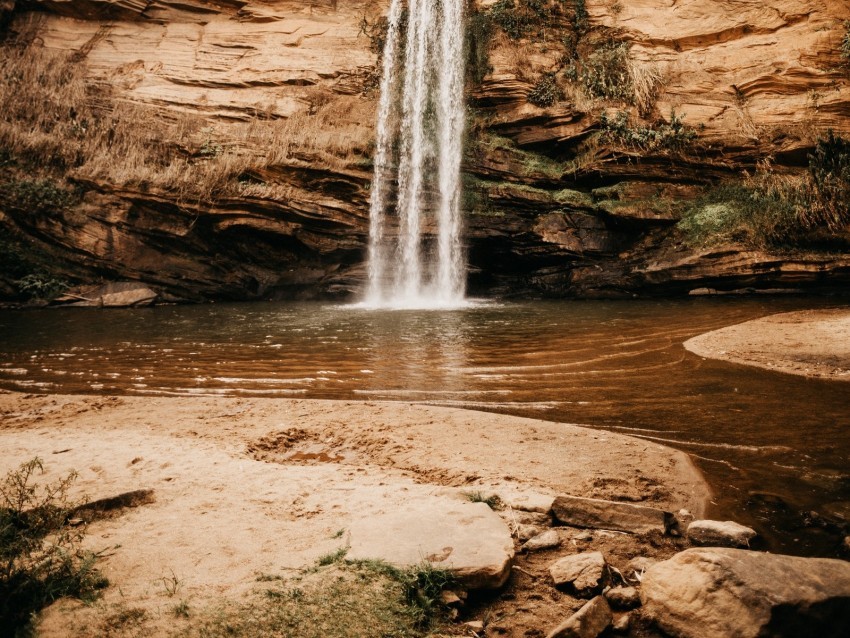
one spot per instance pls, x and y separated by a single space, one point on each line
715 591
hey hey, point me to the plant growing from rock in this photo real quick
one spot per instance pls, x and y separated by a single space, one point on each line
605 74
673 135
829 178
546 92
41 559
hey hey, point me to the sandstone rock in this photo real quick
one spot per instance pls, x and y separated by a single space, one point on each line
583 535
450 598
726 593
475 625
623 597
547 540
588 622
119 294
526 532
720 533
582 573
621 624
597 513
468 539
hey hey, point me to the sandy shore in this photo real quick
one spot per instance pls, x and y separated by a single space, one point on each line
250 486
811 343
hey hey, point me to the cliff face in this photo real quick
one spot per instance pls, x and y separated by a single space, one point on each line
222 149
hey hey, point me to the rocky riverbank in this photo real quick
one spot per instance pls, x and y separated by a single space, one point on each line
237 488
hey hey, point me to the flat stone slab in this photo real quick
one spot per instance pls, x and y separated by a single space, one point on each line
468 539
720 533
600 514
547 540
724 593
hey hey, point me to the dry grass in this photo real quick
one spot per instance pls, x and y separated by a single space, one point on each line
56 120
647 80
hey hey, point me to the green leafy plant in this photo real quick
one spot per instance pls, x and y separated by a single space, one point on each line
845 43
40 285
41 559
35 195
674 135
519 18
829 177
741 212
581 20
546 91
605 74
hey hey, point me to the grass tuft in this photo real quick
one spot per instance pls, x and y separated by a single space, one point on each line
493 501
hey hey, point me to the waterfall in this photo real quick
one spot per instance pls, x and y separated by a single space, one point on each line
415 248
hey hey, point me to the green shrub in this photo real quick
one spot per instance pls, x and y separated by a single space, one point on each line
845 43
605 74
35 195
519 18
580 17
40 285
40 555
546 92
674 135
743 213
829 176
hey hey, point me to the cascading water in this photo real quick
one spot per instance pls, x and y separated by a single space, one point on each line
417 159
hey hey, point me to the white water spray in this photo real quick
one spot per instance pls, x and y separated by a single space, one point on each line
418 150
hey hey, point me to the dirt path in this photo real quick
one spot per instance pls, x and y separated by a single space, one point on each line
811 343
245 487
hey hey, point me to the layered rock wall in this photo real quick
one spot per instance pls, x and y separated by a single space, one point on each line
276 100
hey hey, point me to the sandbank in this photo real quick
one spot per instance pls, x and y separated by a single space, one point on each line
810 343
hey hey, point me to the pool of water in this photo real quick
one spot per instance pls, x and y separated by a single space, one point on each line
774 447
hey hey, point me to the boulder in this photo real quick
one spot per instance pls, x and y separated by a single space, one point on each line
547 540
601 514
588 622
623 597
582 573
468 539
726 593
720 534
118 294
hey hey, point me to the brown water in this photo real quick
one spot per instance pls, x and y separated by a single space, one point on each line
773 446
